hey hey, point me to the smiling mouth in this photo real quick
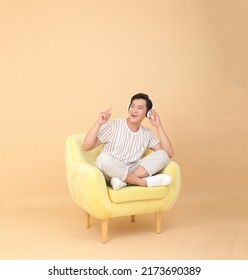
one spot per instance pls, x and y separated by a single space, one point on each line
134 116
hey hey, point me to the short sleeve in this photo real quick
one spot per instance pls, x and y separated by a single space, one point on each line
153 140
105 132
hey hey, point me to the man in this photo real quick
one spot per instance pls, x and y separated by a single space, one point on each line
124 143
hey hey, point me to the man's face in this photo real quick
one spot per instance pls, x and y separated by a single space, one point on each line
137 110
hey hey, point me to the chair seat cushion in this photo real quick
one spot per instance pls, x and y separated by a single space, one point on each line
134 193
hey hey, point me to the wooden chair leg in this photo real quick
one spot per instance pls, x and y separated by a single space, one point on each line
104 230
132 218
87 219
158 217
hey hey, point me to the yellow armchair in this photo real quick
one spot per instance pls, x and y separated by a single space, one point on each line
89 190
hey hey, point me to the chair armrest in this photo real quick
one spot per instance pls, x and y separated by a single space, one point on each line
88 189
173 170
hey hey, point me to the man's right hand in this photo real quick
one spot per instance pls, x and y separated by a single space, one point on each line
91 140
104 116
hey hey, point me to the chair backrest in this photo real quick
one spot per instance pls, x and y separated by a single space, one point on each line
74 151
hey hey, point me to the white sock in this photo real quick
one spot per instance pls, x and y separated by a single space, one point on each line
158 180
117 184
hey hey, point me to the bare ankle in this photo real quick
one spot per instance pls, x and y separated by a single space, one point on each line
143 183
135 180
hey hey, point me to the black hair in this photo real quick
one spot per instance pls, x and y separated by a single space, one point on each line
145 97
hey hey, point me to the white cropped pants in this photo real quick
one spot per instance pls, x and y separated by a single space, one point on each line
113 168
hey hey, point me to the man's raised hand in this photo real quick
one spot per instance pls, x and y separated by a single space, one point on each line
104 116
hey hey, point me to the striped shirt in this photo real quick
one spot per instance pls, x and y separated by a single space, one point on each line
125 145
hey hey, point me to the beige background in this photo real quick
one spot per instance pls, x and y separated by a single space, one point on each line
63 62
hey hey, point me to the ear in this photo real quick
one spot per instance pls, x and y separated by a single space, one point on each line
148 113
128 106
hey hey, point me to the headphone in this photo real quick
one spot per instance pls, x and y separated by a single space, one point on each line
147 114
